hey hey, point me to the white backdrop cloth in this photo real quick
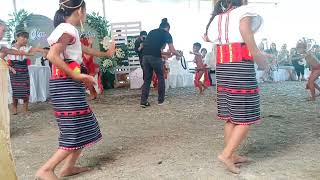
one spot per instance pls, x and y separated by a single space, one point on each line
39 84
179 77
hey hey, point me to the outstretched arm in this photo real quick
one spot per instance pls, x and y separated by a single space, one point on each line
93 52
173 50
7 51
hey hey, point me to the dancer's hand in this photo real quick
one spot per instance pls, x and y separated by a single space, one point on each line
261 59
12 70
112 50
86 79
206 38
180 53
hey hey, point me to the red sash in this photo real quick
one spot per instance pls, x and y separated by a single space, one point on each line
235 52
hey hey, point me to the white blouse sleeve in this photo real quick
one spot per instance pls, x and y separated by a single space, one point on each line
213 31
63 28
26 49
256 19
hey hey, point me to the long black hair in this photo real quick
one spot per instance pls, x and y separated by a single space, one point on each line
222 6
67 7
24 34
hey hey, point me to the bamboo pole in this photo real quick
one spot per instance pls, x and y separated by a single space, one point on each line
14 5
104 8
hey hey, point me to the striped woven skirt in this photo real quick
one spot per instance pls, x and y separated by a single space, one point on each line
238 93
20 82
77 123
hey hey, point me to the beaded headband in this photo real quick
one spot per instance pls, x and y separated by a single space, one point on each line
62 5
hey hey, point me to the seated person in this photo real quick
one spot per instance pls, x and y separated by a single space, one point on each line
285 63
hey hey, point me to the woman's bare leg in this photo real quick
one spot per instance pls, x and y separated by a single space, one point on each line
228 128
69 168
46 172
238 134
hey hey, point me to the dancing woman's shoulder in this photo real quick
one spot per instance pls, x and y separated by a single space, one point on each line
246 10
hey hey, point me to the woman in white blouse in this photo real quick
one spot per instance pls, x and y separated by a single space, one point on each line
19 76
232 29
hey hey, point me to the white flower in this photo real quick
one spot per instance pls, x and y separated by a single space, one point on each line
107 63
106 42
120 53
131 45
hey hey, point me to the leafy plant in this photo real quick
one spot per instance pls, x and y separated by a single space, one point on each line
17 22
107 65
99 24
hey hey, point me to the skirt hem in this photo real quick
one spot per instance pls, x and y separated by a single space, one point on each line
81 147
229 119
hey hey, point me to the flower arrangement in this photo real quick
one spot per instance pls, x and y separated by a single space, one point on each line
131 44
120 53
106 42
107 65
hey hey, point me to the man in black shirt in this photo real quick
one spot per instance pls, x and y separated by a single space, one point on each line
155 42
138 46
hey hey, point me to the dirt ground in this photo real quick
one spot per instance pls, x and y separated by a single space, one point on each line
182 139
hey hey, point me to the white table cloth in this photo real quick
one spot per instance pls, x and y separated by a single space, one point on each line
136 78
39 84
281 75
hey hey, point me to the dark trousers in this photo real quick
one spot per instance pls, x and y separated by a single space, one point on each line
210 78
141 64
150 64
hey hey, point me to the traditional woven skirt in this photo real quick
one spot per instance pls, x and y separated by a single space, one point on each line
238 93
78 125
20 82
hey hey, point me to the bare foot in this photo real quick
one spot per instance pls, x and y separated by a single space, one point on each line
229 164
73 171
46 175
239 159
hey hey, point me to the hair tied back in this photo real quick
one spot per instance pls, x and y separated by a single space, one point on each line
164 20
